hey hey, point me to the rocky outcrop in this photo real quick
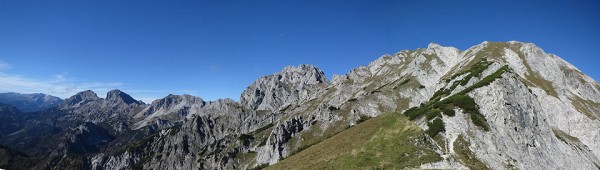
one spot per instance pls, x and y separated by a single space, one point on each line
80 99
116 97
172 108
291 86
198 141
89 107
87 138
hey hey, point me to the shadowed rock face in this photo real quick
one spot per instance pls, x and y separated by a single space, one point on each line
87 138
541 113
30 102
12 119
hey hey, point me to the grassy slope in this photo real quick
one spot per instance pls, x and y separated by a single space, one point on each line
386 141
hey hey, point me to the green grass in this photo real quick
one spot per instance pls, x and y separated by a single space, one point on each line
587 107
259 167
570 140
564 136
404 82
263 142
466 156
389 141
263 128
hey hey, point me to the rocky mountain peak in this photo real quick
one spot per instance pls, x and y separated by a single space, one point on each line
172 100
292 85
303 73
433 45
118 96
80 98
171 107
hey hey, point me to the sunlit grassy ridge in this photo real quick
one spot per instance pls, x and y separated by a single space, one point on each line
386 141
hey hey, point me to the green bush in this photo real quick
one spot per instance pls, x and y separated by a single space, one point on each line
435 107
467 104
465 80
404 82
246 139
487 80
362 119
441 92
433 113
449 110
263 142
479 120
435 127
474 71
414 112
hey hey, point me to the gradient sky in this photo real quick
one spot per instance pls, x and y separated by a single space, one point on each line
215 49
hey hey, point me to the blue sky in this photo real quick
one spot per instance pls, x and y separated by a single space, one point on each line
215 49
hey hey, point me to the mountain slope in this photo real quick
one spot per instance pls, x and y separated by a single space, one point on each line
488 91
11 119
494 110
30 102
505 105
387 141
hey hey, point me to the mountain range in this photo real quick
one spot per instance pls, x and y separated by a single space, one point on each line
496 105
30 102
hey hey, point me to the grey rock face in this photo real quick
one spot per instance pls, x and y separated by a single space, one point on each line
30 102
293 85
407 79
86 138
189 145
117 97
91 108
171 108
80 98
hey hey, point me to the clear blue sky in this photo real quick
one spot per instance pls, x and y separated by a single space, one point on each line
215 49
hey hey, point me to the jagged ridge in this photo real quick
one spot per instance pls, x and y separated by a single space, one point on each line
544 106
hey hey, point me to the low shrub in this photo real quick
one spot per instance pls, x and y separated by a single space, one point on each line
435 127
362 119
433 113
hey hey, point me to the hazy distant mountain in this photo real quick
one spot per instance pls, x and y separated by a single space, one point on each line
30 102
506 105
